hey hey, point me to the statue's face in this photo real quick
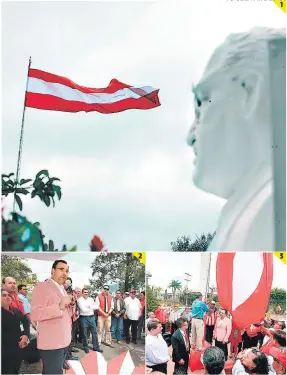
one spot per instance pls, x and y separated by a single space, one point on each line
222 137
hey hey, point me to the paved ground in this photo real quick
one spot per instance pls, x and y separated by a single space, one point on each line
137 353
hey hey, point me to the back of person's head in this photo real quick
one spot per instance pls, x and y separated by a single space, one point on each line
213 360
280 337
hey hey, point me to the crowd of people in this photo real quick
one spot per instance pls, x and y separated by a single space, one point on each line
62 316
204 336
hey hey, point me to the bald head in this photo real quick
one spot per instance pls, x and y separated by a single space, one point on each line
9 284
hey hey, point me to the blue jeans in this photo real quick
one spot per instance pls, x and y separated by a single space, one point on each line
88 323
117 328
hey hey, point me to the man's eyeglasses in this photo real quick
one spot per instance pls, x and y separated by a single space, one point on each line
106 289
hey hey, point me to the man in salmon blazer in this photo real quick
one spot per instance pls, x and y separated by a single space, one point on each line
51 308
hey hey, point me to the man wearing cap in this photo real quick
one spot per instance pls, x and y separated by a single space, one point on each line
198 309
106 306
279 359
133 312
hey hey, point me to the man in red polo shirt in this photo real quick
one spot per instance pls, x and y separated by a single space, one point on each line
9 284
279 356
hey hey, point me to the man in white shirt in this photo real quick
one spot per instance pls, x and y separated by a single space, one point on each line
173 316
251 361
151 316
156 348
133 312
87 306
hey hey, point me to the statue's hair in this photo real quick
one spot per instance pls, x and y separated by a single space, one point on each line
248 48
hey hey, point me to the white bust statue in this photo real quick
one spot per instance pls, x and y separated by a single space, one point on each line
233 135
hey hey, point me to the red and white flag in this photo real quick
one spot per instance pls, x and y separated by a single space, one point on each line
244 282
95 364
55 93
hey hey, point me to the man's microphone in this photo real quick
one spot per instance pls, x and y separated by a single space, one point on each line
69 290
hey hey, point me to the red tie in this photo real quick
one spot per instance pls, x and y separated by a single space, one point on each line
187 342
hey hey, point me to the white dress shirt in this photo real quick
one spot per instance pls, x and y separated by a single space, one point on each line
238 368
133 308
87 306
156 350
60 287
184 338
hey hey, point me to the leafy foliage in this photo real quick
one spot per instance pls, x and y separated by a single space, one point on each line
122 268
19 234
185 243
152 302
43 187
277 297
174 285
18 269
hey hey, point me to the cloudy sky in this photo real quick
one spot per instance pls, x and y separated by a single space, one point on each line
128 176
174 265
79 266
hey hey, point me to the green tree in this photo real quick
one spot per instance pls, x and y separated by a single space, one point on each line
277 297
187 297
158 291
18 233
174 285
152 302
18 269
42 187
122 268
185 243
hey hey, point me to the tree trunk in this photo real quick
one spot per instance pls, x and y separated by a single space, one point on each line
127 271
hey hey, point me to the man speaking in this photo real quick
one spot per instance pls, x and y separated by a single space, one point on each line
50 307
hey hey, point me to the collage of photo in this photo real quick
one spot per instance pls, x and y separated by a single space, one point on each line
143 196
112 313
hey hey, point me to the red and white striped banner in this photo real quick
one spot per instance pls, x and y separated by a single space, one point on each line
244 283
95 364
52 92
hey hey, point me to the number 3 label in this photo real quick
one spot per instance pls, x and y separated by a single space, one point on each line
281 255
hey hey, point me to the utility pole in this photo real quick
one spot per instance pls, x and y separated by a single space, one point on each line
187 280
148 276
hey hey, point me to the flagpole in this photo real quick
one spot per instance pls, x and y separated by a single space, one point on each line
21 139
